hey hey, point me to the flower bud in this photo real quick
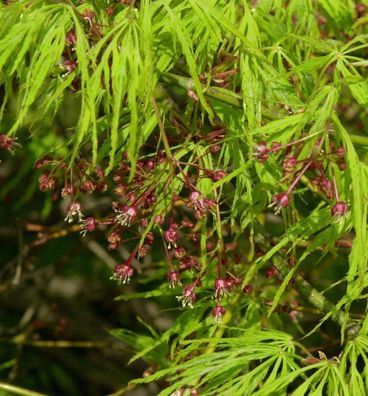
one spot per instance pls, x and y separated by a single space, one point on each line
149 238
159 220
216 175
275 147
340 152
179 252
87 187
261 151
69 65
187 223
189 263
247 289
114 240
215 148
289 164
42 161
143 250
339 209
66 191
71 38
46 182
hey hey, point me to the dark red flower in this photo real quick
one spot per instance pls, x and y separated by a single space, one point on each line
280 201
71 38
46 182
126 215
340 152
216 175
159 220
261 151
149 238
232 281
179 252
114 239
69 65
173 277
248 289
171 235
189 263
275 147
199 203
215 148
339 209
221 287
74 210
188 297
88 225
143 250
66 191
149 201
110 11
87 187
187 223
122 273
289 164
271 272
218 312
88 15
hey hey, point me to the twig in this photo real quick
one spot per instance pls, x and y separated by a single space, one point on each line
18 390
100 252
317 299
124 390
221 94
60 343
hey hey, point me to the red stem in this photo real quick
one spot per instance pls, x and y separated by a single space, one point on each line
301 173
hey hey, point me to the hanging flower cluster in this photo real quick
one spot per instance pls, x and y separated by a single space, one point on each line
316 166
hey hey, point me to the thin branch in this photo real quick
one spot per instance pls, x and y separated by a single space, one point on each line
221 94
17 390
314 297
61 343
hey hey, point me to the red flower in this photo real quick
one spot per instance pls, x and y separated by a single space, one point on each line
122 273
339 209
171 235
280 201
188 297
218 312
126 215
74 210
88 225
173 277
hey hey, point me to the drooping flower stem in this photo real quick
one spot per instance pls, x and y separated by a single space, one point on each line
301 173
168 257
163 134
220 242
335 190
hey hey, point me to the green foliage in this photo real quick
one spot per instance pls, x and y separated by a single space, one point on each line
259 71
